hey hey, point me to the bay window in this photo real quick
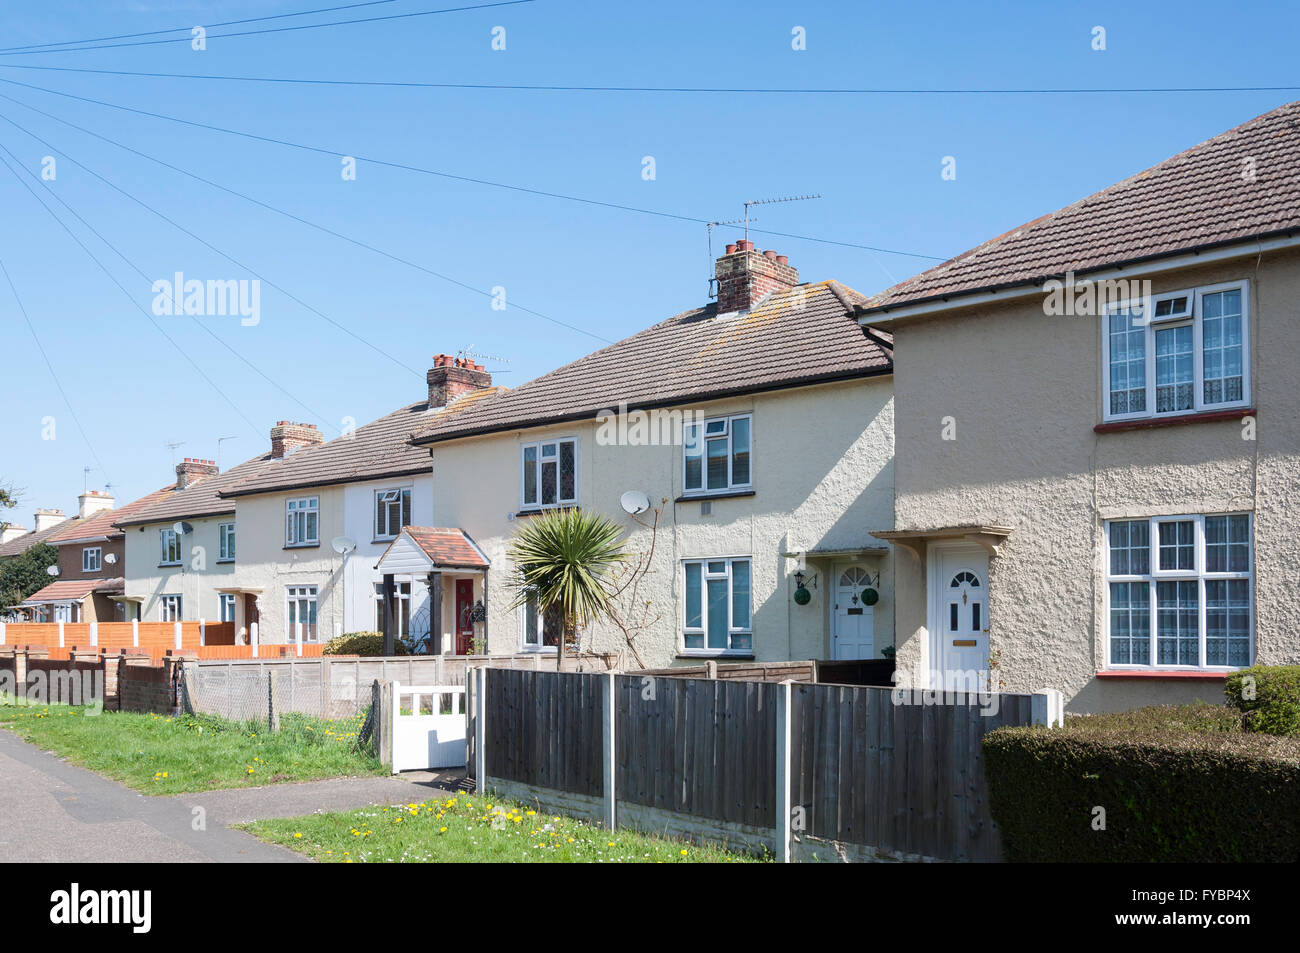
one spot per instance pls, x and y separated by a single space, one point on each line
1179 592
1189 354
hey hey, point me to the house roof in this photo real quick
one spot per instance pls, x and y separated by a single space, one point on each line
104 523
200 498
381 448
1198 199
20 544
445 546
73 590
802 336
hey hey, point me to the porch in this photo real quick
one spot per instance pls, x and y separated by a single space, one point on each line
455 572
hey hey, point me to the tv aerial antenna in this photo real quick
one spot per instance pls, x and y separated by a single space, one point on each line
220 441
470 352
171 446
773 201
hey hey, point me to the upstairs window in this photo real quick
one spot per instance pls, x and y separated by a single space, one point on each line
1189 355
392 511
171 547
91 558
226 534
717 454
549 473
302 519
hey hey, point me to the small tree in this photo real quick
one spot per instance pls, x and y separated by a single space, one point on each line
562 560
25 573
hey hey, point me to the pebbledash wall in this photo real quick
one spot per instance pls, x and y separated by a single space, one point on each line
1025 390
344 587
822 475
196 579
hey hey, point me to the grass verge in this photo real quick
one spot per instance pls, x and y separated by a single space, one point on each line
469 829
157 754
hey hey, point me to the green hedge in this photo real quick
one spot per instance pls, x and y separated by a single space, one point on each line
362 643
1177 783
1268 697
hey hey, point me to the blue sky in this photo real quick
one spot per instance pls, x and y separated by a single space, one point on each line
875 160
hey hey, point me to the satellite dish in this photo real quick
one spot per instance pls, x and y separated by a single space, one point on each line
52 570
110 558
343 544
634 502
182 528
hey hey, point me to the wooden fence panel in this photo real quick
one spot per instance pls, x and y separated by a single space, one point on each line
544 729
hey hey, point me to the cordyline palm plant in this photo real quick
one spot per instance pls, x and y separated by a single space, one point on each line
562 559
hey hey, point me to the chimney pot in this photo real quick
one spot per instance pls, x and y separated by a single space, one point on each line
783 259
770 254
731 248
746 276
744 245
452 378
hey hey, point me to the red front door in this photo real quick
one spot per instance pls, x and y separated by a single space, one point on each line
464 606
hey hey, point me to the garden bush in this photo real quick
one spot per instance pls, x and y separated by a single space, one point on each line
1268 697
1176 783
362 643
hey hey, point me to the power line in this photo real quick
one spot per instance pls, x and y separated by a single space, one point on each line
734 90
209 245
139 271
50 365
297 218
279 29
449 175
188 27
111 277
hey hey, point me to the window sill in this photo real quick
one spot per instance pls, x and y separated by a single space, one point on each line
169 565
220 561
693 654
716 495
1177 674
1151 423
303 546
545 509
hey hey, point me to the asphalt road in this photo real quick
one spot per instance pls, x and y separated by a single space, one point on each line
55 811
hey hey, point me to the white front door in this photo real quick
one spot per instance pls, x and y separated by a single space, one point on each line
960 618
852 623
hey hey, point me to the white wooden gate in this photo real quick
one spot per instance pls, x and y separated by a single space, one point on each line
428 726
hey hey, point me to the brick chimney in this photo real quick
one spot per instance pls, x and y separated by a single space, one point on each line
745 275
192 469
92 502
44 519
287 437
451 378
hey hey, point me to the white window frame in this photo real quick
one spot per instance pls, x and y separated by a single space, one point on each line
301 506
1155 574
702 629
169 540
537 445
92 559
226 545
171 608
401 596
226 601
729 431
540 647
294 594
403 498
1195 297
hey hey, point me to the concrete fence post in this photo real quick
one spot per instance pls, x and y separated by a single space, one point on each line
480 730
610 743
94 634
203 631
1049 708
252 637
784 800
2 633
60 633
177 634
135 633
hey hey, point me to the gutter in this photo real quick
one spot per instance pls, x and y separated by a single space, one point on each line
314 484
886 315
528 423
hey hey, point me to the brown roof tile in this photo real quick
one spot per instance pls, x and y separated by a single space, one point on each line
1197 199
791 338
446 546
74 590
20 544
200 498
104 523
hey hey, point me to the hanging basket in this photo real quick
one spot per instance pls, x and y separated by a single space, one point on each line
870 597
802 596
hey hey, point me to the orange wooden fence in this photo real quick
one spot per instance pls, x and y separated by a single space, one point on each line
155 638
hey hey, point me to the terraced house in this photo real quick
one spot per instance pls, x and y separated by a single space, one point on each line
760 424
313 522
1105 499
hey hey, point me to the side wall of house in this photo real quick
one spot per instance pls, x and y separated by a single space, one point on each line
823 478
1024 392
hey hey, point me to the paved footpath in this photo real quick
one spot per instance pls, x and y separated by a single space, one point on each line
52 810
